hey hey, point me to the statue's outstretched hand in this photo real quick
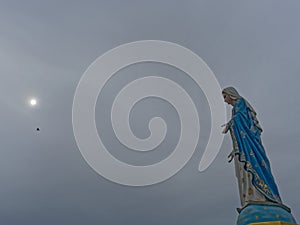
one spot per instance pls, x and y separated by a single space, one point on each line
226 128
230 157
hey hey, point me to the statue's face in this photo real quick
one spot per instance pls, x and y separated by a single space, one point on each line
228 100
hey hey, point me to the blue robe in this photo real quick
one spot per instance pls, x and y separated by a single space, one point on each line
250 151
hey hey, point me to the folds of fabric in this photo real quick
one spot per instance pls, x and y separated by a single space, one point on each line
250 152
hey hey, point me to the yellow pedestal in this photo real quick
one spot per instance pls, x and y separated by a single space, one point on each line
272 223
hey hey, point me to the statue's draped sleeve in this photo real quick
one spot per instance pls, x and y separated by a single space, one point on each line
250 151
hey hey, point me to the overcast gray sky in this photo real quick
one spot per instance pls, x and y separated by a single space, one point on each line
45 47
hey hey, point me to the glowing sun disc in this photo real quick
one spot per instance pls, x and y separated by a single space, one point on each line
33 102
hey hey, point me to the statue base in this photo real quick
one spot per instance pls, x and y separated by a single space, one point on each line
272 223
265 214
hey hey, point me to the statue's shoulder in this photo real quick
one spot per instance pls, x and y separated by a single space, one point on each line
240 106
240 102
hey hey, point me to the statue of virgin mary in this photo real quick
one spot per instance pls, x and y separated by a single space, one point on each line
260 200
253 171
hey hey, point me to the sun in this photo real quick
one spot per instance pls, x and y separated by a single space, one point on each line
33 102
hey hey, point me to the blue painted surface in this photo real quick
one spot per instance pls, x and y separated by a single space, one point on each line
251 150
264 213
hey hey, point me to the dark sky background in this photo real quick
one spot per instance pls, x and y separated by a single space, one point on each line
45 47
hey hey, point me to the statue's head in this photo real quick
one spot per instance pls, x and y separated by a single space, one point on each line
230 94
